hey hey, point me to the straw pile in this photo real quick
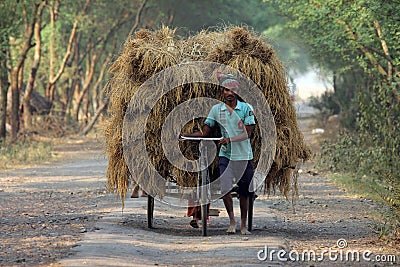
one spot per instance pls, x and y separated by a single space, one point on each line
149 52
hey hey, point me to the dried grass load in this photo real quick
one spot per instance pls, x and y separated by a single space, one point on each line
150 52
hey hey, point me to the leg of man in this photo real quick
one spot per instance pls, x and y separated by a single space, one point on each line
244 207
228 202
226 186
245 170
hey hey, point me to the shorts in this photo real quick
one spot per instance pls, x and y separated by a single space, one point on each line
239 172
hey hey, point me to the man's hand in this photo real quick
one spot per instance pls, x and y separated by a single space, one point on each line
224 141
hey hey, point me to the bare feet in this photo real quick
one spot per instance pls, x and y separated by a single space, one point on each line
231 229
244 231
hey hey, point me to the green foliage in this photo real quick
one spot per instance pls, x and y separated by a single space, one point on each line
359 43
193 16
342 35
379 122
350 154
373 151
8 25
326 103
23 153
196 15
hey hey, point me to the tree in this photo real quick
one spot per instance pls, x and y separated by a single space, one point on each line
50 89
29 17
7 26
353 40
103 106
193 16
359 42
35 66
78 39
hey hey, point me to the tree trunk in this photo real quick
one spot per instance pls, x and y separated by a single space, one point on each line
353 36
137 18
69 95
91 63
15 79
35 67
3 103
385 49
86 106
14 111
3 91
100 110
51 85
52 53
104 105
97 96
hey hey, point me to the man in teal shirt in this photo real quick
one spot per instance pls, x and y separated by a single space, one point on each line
236 121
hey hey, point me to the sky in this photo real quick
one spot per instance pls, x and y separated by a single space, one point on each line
311 84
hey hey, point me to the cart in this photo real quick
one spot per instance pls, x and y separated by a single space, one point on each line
203 188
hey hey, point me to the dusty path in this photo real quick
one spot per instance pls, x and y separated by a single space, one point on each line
45 210
60 214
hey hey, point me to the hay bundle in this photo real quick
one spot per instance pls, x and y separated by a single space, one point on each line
150 52
245 51
142 57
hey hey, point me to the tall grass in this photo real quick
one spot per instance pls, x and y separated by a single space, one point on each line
24 153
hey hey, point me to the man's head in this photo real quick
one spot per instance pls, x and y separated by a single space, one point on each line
230 84
227 80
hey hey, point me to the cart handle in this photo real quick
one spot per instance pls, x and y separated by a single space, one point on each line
184 138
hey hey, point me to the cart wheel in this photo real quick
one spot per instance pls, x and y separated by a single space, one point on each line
250 213
204 219
150 211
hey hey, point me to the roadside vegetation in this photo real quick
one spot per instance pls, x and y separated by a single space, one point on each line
359 44
24 153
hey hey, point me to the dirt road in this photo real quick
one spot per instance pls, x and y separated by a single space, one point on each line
60 214
45 210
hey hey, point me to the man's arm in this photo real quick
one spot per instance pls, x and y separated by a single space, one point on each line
250 123
238 138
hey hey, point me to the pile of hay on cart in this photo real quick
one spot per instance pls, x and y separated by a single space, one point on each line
149 52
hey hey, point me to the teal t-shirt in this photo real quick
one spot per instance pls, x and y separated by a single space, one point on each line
232 125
